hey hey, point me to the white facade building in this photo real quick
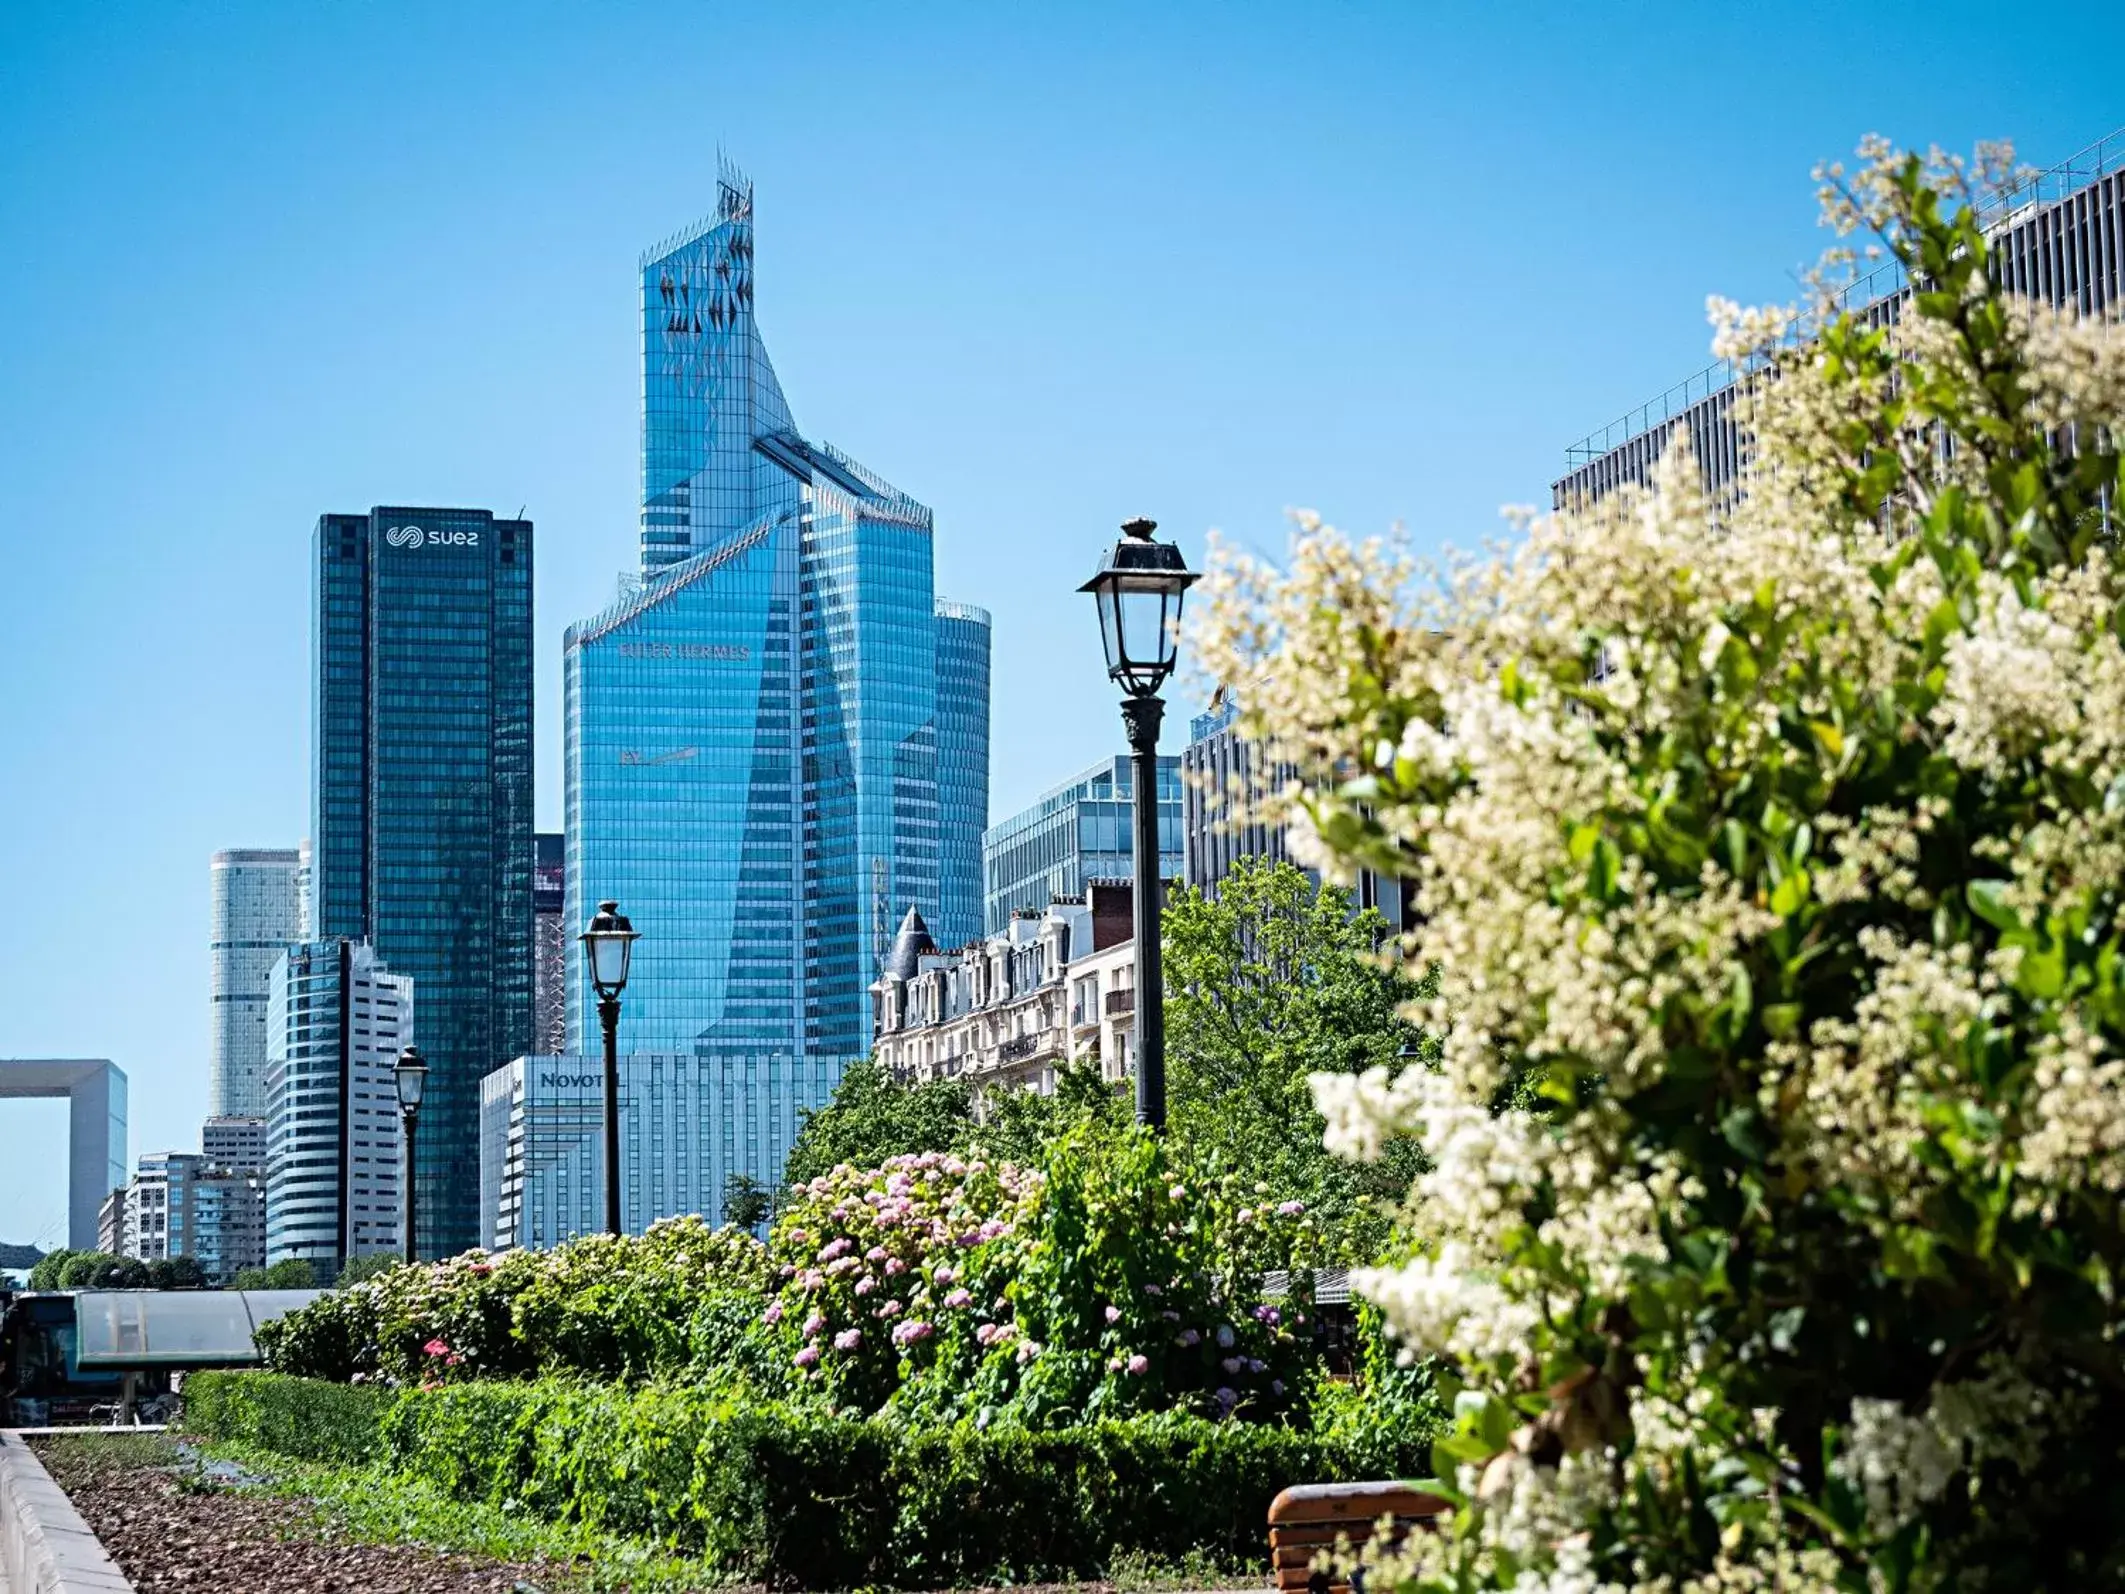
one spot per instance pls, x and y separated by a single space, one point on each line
335 1024
257 915
1054 988
687 1124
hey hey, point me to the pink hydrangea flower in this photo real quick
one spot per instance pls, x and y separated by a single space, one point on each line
866 1284
1291 1209
958 1298
912 1330
814 1324
876 1253
774 1312
435 1347
1154 1289
1114 1313
807 1356
894 1265
848 1339
1139 1364
1178 1193
840 1247
890 1309
1267 1314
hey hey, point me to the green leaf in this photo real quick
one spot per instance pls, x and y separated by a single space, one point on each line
1791 894
1988 901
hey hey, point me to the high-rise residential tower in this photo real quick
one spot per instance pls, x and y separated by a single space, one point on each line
421 796
336 1021
257 914
779 742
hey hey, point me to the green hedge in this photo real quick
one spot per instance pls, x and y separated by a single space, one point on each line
295 1416
785 1497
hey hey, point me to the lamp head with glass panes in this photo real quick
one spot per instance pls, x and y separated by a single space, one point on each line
1139 590
609 943
410 1075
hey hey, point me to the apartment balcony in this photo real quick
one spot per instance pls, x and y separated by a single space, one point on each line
1023 1048
1123 1001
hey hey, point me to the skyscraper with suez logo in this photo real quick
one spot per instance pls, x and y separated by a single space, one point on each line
421 800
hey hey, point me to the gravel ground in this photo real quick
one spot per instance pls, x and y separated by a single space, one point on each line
166 1536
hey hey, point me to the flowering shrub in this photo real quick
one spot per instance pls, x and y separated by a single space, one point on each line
939 1286
1772 846
613 1307
930 1289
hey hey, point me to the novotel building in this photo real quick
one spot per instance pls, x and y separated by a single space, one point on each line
421 798
687 1123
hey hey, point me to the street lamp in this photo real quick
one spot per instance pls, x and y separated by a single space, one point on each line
608 945
1139 590
410 1075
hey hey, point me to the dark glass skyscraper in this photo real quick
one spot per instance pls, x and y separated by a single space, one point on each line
421 796
780 741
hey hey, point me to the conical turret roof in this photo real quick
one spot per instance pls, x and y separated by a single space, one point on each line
909 947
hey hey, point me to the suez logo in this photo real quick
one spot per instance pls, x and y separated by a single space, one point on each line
570 1081
421 537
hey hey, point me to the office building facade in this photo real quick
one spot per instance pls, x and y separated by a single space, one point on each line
1224 779
338 1017
2058 237
421 798
1083 830
257 907
687 1123
551 943
753 760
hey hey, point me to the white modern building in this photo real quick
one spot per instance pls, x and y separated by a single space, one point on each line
687 1124
258 914
335 1023
1054 988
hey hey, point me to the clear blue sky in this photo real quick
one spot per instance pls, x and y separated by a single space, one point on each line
1042 267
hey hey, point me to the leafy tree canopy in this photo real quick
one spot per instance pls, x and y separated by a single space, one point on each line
1270 981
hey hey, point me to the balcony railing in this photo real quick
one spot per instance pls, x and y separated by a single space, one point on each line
1019 1047
1121 1002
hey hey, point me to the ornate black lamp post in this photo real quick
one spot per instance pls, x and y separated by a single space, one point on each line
410 1075
1139 590
608 944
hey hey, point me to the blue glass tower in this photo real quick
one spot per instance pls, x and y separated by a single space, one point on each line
779 741
962 768
421 800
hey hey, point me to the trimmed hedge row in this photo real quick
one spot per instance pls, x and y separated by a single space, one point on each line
785 1497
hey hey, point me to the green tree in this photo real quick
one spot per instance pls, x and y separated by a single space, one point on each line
360 1268
291 1273
870 1118
120 1273
79 1270
46 1274
1267 983
747 1203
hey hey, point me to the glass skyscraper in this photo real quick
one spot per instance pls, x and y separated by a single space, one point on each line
421 796
1083 830
257 915
779 742
962 768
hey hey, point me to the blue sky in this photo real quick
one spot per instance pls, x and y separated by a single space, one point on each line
1042 267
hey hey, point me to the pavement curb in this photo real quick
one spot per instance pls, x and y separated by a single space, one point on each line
45 1547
